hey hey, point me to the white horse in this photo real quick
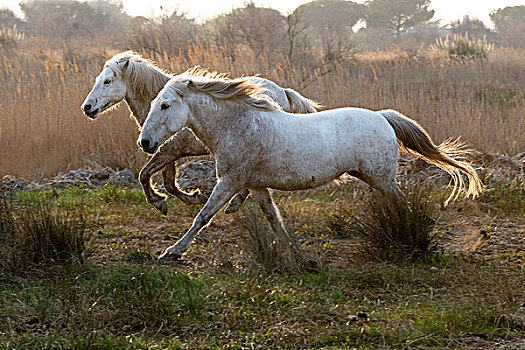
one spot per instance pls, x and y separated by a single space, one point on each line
130 77
258 146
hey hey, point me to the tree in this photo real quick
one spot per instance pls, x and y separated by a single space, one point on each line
337 16
10 29
397 15
9 20
510 25
329 24
472 26
168 33
63 18
261 29
296 29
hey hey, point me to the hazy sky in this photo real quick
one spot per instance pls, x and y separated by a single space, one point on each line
446 10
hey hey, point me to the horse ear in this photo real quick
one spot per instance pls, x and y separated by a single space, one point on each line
185 84
126 64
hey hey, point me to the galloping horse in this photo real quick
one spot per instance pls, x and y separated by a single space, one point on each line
130 77
258 146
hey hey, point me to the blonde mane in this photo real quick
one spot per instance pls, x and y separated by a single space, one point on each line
220 86
143 74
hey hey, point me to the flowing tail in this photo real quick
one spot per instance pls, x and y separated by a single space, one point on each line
299 103
414 140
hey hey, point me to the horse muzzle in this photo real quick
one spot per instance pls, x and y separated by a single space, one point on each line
148 146
92 114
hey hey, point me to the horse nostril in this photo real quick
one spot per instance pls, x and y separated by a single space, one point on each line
87 108
144 144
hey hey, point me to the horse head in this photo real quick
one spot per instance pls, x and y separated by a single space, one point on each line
167 115
108 90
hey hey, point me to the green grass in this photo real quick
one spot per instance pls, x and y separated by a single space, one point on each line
507 198
405 305
121 298
71 198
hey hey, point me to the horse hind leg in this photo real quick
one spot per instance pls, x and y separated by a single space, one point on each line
387 186
237 201
286 246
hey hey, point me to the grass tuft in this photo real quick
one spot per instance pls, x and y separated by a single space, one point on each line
393 232
267 253
39 236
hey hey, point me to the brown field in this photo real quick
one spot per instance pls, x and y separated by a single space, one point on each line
43 132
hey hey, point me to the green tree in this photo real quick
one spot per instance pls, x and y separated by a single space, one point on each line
66 18
510 25
397 15
334 15
261 29
9 20
472 26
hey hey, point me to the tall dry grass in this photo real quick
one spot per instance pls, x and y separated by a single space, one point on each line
42 130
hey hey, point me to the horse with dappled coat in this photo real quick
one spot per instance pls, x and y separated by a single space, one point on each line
257 145
130 77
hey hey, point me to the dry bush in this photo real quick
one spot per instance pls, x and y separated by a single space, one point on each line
394 232
42 130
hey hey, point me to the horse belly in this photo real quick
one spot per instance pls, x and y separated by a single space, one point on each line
282 175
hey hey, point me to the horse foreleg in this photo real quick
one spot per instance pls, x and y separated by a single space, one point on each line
286 244
221 194
156 163
183 144
168 176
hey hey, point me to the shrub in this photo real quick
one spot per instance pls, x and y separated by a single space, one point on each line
463 48
393 232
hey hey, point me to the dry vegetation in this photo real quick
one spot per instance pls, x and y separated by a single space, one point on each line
93 281
42 130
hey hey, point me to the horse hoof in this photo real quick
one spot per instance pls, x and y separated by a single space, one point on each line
169 256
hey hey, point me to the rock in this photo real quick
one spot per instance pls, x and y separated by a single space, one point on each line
123 178
198 174
88 178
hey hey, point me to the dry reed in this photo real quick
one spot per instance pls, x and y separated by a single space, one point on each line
42 130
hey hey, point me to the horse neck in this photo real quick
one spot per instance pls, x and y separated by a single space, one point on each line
211 120
139 108
140 104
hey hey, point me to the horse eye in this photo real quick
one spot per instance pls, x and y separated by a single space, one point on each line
164 106
107 81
